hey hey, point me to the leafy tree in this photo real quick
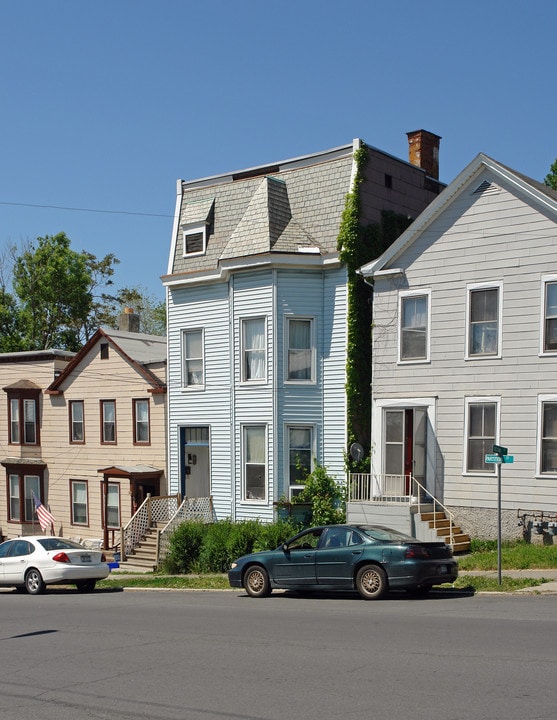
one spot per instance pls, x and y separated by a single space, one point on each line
551 177
11 338
52 282
151 310
55 287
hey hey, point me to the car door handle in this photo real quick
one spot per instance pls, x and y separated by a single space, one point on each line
356 552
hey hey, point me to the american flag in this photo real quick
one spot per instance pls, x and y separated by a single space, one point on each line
46 518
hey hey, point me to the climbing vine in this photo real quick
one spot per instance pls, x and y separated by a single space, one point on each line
358 245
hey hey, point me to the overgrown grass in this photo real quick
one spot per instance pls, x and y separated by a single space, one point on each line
514 556
491 584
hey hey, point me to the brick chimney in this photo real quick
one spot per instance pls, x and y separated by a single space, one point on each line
423 151
128 321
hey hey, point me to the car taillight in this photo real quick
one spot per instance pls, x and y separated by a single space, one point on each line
61 557
103 557
416 551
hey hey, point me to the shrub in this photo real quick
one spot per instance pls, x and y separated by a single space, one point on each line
211 548
325 495
185 545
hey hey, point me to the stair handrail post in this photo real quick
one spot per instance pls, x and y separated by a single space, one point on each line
122 544
158 547
149 516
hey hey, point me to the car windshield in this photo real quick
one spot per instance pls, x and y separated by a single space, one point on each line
382 534
54 543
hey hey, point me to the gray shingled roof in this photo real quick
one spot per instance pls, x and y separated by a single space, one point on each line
292 207
144 349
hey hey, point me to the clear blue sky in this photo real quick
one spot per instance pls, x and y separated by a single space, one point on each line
106 104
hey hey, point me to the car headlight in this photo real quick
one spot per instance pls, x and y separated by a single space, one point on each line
234 565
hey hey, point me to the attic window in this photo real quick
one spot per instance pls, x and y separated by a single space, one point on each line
104 351
486 187
195 241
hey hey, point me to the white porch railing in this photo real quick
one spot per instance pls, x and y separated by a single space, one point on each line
151 511
393 489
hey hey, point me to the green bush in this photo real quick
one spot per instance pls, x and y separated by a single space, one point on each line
274 534
326 497
185 545
211 548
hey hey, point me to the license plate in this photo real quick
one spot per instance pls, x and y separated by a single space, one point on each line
85 558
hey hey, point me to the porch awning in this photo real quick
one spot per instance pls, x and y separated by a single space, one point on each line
134 472
36 462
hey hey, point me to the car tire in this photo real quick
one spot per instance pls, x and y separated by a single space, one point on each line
256 582
86 586
371 582
34 583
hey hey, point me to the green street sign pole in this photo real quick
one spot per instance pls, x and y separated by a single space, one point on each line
499 523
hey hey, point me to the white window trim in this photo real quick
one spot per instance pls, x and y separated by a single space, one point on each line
544 280
184 380
485 286
313 371
286 434
244 499
494 399
194 229
403 294
541 400
255 381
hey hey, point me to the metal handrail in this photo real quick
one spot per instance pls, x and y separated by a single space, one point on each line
381 488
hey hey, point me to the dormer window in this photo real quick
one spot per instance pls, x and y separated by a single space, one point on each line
195 240
195 219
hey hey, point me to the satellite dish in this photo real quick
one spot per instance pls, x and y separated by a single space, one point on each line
356 452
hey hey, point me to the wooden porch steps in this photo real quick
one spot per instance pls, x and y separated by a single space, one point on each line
460 541
145 553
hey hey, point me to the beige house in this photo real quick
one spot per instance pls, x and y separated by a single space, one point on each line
85 433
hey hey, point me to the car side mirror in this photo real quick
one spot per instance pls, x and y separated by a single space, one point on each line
285 547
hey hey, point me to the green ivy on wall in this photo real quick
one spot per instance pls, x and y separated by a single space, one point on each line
358 245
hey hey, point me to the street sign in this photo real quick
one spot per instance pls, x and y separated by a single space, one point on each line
508 458
500 450
493 459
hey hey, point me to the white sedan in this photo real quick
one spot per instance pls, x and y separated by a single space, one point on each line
33 562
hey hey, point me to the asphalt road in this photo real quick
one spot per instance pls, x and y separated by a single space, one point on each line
224 656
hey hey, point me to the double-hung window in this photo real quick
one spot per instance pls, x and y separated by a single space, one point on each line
300 343
22 487
549 326
300 452
253 350
255 462
414 326
193 374
108 421
482 419
547 452
141 425
484 321
79 502
112 519
23 419
77 421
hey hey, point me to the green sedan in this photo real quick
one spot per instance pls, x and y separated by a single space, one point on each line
368 559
